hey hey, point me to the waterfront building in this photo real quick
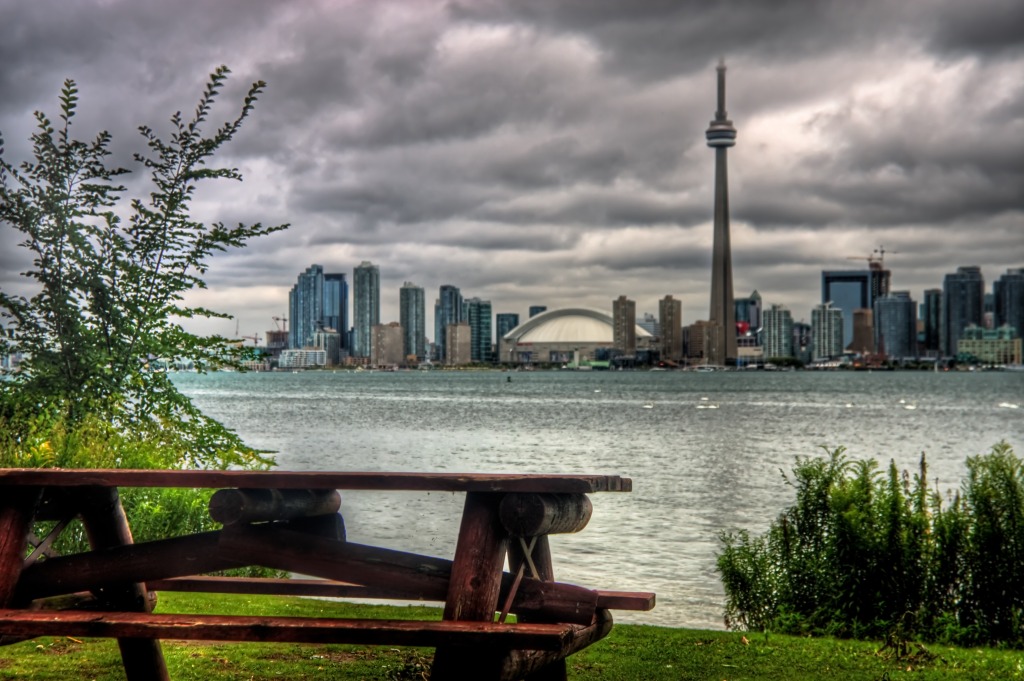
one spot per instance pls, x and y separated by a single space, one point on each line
749 316
826 332
365 307
851 290
670 322
963 304
537 309
896 325
306 307
302 358
863 342
624 316
387 347
458 347
335 314
778 332
448 310
1001 346
557 336
698 340
720 136
931 317
802 341
505 322
1008 293
478 315
329 341
412 316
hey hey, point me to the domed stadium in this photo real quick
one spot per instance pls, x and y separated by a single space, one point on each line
555 336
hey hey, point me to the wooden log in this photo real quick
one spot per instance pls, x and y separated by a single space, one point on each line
230 506
487 635
536 665
540 560
424 482
325 588
104 571
413 576
532 515
16 509
107 526
327 526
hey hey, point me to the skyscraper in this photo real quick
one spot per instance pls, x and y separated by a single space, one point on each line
412 316
447 311
931 316
778 332
896 325
336 305
505 322
537 309
670 319
478 315
1009 300
624 325
851 290
365 306
963 303
826 332
306 307
720 136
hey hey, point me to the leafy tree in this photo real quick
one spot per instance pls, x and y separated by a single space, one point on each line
111 272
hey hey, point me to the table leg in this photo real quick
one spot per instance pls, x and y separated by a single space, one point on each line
474 587
106 525
541 557
16 512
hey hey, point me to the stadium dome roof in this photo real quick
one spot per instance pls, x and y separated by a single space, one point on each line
569 325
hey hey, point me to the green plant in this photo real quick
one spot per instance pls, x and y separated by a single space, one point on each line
111 274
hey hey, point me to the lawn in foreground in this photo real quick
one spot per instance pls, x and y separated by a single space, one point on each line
640 653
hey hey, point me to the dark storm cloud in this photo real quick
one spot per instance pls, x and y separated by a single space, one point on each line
552 150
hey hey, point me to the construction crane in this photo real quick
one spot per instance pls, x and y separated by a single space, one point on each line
255 339
277 321
877 256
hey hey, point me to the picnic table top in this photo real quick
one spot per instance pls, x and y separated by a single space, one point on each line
410 481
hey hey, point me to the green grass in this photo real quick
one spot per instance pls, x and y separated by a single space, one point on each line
640 653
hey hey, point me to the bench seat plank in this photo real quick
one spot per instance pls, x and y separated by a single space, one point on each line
555 637
425 482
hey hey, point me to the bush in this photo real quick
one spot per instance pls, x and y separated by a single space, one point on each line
864 554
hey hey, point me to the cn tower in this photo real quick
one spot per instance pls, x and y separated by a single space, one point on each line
720 136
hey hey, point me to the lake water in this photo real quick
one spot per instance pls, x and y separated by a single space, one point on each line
704 451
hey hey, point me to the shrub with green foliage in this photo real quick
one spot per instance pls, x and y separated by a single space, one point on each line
865 554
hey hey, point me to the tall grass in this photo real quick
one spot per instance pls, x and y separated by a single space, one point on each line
865 553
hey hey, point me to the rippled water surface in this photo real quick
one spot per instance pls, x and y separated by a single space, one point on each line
704 450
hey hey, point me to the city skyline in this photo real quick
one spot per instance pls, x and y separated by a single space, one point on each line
553 154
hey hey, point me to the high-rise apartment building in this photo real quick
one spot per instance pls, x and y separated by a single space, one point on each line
896 325
1008 293
412 315
802 341
863 342
931 316
505 322
336 307
624 326
387 346
478 316
963 303
670 319
365 307
448 310
777 322
649 323
850 290
459 344
306 307
826 332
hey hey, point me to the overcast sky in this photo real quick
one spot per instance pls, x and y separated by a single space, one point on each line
552 151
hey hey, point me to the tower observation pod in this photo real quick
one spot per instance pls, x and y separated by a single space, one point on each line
720 136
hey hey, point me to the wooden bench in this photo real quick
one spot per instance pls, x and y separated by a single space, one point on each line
289 521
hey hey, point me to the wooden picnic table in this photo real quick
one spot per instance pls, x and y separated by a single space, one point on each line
289 521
